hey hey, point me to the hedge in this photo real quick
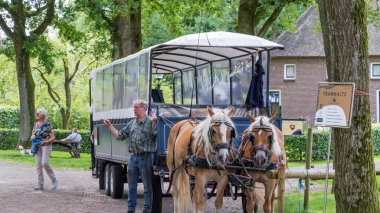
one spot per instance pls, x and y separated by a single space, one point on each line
9 117
295 145
9 138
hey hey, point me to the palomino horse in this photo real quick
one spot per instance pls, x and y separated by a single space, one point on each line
210 140
263 146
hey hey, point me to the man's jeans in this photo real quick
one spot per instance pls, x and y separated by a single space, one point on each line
140 165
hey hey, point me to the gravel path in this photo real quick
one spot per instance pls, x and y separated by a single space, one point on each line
78 192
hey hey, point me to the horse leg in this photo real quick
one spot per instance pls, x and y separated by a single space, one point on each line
251 200
269 192
199 189
221 186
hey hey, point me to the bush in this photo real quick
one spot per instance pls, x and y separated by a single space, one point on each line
295 145
9 117
9 138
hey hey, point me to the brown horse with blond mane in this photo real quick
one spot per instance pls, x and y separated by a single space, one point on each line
263 146
209 140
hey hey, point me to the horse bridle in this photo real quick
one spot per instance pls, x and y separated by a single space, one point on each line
254 148
219 146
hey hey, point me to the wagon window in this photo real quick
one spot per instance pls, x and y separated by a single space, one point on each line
188 82
221 83
143 77
131 82
204 85
118 85
107 89
241 78
177 88
98 96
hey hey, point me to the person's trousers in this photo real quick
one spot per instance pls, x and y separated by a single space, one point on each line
140 165
42 162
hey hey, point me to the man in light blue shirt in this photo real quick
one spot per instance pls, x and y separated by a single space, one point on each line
74 137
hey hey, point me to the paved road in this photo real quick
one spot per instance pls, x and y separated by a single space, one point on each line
78 192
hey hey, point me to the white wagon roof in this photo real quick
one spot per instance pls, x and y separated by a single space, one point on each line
201 49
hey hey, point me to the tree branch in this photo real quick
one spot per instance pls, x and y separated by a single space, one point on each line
50 89
5 28
85 69
75 71
270 20
47 20
257 17
36 12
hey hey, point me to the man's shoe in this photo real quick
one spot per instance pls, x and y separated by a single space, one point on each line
39 187
131 211
55 185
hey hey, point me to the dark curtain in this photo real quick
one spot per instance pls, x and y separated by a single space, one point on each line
255 96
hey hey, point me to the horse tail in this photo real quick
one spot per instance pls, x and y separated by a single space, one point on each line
184 199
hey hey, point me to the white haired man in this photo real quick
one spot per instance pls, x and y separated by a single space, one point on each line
140 133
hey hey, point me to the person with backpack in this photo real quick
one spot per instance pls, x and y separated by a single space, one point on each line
43 137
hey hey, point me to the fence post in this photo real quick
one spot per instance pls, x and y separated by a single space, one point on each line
281 190
308 165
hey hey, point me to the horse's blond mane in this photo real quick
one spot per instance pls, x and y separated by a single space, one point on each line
265 121
200 132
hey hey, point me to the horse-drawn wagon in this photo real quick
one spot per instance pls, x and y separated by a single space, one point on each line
215 69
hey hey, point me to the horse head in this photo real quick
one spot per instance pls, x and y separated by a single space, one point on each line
217 133
260 141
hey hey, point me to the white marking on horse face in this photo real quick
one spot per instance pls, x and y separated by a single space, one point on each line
260 131
223 155
223 131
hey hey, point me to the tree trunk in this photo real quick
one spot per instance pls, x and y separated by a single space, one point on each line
126 37
67 113
344 27
26 92
246 16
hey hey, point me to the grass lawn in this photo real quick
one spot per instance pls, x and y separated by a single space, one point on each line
58 159
318 162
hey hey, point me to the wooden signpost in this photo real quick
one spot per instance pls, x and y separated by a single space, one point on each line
334 109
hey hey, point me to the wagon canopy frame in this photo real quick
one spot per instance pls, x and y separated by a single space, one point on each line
200 49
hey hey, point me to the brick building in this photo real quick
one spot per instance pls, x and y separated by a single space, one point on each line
296 70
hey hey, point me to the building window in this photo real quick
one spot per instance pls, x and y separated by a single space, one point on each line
375 70
289 71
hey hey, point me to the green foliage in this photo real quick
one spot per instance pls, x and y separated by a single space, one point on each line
295 145
373 12
8 87
9 117
8 138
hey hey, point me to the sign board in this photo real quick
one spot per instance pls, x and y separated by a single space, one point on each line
334 104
